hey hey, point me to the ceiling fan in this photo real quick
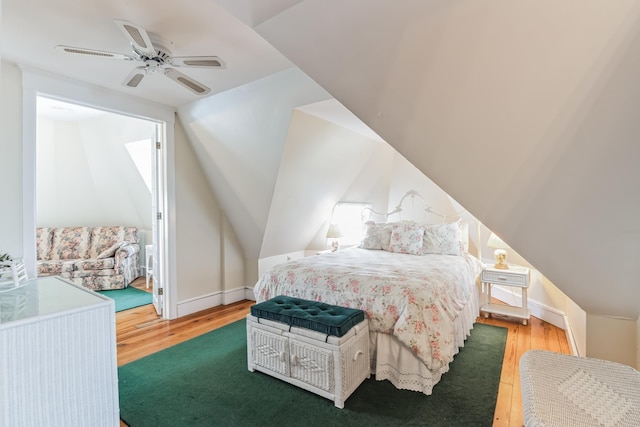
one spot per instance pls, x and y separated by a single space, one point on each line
149 49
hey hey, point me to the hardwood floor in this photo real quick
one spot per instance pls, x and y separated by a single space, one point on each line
537 335
140 332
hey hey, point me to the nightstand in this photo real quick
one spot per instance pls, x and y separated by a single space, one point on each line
515 276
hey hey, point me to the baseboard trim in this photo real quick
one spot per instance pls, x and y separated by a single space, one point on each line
570 338
539 310
232 295
193 305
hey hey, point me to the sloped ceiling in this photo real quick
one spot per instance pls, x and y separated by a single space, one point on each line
525 112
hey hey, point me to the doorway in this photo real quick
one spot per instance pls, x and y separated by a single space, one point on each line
98 167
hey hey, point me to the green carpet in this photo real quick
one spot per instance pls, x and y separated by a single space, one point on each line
205 382
128 297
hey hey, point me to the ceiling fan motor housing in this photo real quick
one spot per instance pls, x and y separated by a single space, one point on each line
162 56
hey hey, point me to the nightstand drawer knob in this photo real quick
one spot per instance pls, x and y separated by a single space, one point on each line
502 278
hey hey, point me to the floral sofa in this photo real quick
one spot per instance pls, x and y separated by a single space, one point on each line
94 257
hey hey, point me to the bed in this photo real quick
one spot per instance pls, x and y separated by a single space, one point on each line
417 285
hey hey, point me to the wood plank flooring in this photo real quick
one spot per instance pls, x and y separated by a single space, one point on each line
537 335
140 332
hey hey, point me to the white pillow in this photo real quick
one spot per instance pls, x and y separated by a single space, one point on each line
443 239
406 238
376 236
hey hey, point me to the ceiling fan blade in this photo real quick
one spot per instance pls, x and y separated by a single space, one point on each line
94 52
186 81
138 37
135 77
197 61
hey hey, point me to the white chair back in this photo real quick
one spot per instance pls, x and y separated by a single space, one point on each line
14 272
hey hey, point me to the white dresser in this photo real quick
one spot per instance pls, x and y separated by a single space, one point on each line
58 353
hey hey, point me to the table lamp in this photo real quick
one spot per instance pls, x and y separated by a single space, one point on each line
500 253
334 233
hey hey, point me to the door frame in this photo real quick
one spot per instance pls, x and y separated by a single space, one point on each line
157 215
39 84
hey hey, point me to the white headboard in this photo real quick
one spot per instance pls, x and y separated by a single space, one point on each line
417 208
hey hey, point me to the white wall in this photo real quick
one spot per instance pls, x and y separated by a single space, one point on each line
612 338
233 267
321 165
407 177
238 137
210 260
198 228
577 322
85 176
638 342
11 159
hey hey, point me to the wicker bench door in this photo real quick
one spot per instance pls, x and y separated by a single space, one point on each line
312 365
270 351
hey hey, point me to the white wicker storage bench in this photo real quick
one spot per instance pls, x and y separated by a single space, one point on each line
562 390
315 346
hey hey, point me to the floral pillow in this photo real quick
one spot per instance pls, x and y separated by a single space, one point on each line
111 251
444 239
406 238
376 236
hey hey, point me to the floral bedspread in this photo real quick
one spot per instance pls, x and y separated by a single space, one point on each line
416 298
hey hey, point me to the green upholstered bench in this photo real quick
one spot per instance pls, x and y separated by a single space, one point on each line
316 346
314 315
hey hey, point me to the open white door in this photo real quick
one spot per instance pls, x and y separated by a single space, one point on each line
157 203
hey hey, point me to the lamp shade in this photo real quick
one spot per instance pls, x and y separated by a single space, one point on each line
334 231
496 242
